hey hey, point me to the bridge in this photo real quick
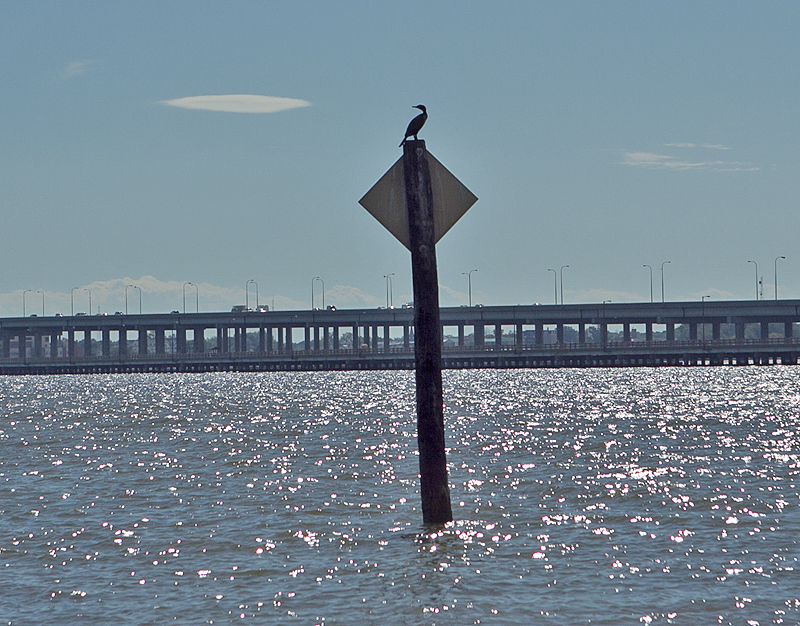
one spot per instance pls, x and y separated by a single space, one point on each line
761 332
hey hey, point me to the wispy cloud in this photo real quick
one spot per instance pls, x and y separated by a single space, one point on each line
76 68
654 160
712 146
238 103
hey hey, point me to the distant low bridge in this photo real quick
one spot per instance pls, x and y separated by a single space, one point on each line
760 332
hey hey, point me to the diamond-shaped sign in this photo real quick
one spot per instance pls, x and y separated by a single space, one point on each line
386 201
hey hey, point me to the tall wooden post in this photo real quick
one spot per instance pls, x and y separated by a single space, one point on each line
435 488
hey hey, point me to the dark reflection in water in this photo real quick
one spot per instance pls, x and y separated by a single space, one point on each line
604 497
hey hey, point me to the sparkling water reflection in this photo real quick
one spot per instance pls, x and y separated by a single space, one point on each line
602 496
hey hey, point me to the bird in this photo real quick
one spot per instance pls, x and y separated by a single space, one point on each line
415 125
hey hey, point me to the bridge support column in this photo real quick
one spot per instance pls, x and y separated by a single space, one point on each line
498 335
335 331
54 338
142 341
269 338
716 331
518 336
406 336
289 346
461 335
262 339
559 333
180 340
739 330
604 333
539 332
374 331
122 341
765 330
648 331
37 345
478 334
87 343
670 331
6 345
693 331
626 332
326 340
581 333
70 343
106 342
159 339
199 339
222 339
788 329
307 340
386 340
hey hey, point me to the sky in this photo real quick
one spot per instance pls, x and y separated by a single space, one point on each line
148 145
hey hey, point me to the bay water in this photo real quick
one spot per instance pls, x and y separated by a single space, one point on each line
602 496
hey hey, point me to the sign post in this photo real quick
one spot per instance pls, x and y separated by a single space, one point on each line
418 201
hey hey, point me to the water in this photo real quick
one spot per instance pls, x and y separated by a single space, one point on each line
665 496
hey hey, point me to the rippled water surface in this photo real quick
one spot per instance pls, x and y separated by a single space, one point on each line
665 496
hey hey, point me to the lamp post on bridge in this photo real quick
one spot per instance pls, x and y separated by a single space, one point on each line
313 280
555 284
651 280
776 274
389 298
756 264
41 292
469 283
140 298
662 279
23 301
90 298
72 301
561 279
247 293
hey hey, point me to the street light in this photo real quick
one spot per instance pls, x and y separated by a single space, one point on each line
756 264
776 275
389 299
245 287
469 283
90 299
23 301
312 291
555 283
72 301
41 292
126 298
651 280
561 277
184 295
662 279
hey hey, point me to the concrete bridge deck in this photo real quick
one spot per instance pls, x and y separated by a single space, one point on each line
587 335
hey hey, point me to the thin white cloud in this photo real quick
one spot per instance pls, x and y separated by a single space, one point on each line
238 103
651 160
712 146
76 68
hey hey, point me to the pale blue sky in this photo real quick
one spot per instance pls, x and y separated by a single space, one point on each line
599 135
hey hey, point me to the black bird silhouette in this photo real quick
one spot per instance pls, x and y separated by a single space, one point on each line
416 124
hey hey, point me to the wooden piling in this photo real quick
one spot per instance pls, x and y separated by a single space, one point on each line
435 488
